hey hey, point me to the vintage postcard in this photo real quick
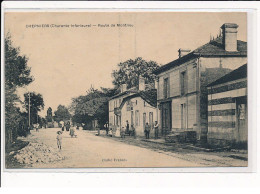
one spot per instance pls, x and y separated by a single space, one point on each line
136 89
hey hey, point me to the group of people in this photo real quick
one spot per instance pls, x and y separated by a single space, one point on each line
147 130
69 128
128 131
132 132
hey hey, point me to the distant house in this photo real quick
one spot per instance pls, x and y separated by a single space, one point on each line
182 83
114 104
92 125
227 108
138 109
137 106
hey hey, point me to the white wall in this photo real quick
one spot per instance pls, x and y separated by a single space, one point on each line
227 62
174 78
142 108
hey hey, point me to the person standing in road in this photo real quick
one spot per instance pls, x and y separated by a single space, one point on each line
122 132
62 125
37 127
72 131
59 139
127 127
156 130
133 131
68 126
147 131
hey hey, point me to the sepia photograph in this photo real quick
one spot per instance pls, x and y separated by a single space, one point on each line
125 89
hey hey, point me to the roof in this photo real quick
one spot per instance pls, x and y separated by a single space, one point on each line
229 25
239 73
150 96
123 93
212 74
214 48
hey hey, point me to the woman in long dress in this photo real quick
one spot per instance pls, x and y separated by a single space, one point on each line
68 126
72 132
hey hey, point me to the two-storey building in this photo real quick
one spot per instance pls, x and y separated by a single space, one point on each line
182 92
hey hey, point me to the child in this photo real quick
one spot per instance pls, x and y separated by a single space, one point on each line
123 132
59 139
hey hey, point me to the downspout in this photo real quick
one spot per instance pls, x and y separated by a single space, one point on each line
198 98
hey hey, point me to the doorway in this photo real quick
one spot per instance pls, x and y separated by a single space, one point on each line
166 121
241 119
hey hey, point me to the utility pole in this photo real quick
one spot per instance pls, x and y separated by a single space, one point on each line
29 113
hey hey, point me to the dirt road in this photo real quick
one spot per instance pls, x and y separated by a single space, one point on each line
88 150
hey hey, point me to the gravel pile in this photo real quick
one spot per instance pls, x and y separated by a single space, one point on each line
38 153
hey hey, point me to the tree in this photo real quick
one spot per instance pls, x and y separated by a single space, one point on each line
49 115
61 114
36 105
130 70
92 106
17 74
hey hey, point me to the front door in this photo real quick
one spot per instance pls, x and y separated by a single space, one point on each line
166 117
241 110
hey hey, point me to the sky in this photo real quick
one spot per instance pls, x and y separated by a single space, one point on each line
66 61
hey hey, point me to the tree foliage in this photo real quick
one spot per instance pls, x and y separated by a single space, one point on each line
17 74
130 70
92 105
49 117
36 105
61 114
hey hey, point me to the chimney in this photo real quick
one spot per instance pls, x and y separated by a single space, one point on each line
183 52
123 88
141 83
229 33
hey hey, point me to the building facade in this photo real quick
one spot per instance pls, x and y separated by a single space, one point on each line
182 84
114 110
139 109
227 108
137 106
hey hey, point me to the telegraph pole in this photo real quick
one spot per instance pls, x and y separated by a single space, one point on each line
29 113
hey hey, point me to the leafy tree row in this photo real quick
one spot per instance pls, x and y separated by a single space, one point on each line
94 105
17 74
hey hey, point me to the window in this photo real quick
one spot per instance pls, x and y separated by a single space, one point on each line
183 83
114 120
137 116
151 119
166 87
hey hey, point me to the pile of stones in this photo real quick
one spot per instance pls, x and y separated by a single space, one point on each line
38 153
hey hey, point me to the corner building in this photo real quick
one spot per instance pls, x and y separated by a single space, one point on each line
182 96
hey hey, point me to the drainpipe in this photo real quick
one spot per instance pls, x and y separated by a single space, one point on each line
198 97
